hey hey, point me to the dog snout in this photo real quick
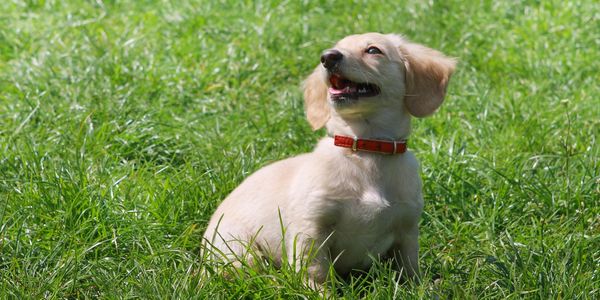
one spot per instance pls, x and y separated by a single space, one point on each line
330 58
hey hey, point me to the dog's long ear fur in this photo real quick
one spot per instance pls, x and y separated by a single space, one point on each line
427 74
315 100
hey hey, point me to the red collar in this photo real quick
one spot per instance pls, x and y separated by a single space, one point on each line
377 146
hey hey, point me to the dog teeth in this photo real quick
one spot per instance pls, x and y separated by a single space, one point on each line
362 90
349 89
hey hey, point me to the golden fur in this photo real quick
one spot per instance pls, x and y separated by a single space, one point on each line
351 206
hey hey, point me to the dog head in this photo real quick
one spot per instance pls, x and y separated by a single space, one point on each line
369 74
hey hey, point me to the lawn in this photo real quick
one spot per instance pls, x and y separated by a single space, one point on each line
123 124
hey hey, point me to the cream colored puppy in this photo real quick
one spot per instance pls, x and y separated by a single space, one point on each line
357 196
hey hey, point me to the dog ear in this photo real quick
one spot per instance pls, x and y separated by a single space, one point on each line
427 74
315 99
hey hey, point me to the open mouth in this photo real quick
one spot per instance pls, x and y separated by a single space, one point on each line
343 88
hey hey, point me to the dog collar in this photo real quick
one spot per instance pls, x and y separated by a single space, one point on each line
377 146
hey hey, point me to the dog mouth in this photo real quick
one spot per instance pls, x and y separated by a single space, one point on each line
342 88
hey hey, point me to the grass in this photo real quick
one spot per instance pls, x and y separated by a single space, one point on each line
124 123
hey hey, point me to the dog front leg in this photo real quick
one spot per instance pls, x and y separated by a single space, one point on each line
310 253
405 254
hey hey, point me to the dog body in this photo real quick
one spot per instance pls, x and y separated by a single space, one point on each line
354 205
348 206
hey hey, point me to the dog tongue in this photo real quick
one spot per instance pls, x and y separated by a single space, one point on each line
341 85
346 90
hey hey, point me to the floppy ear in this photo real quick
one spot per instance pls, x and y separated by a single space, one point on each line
427 74
315 99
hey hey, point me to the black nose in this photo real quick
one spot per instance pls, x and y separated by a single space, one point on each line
330 58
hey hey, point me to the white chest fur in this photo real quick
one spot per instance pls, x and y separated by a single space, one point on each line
368 211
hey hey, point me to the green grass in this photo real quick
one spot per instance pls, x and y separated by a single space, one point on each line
124 123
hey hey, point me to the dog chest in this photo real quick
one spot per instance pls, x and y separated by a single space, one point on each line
366 227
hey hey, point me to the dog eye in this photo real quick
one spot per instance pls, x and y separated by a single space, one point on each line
373 50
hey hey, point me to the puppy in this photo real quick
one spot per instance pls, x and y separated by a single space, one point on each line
357 196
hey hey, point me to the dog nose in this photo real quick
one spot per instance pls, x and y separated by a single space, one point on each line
330 58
